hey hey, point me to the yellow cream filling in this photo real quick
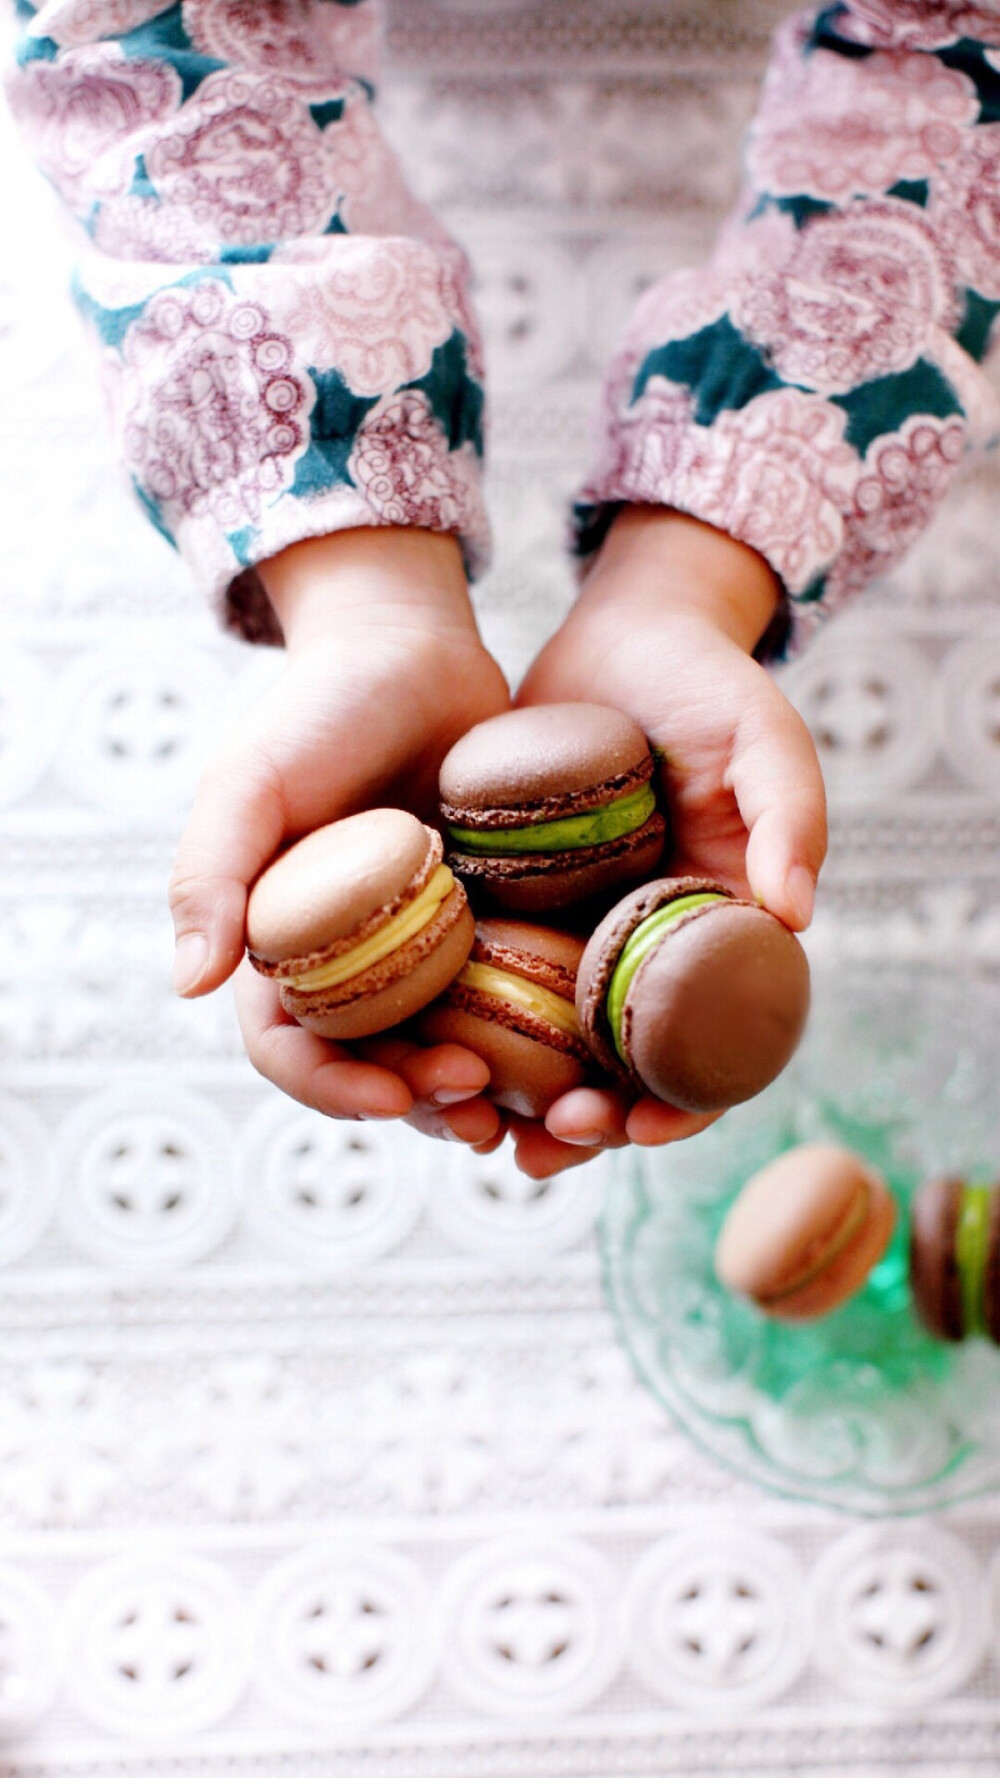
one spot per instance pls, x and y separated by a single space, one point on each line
391 937
527 996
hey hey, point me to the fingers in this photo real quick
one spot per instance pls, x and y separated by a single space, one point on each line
541 1155
446 1083
442 1076
318 1074
651 1124
775 776
235 826
589 1117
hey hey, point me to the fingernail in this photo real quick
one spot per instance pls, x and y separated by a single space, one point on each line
589 1139
801 890
190 961
454 1095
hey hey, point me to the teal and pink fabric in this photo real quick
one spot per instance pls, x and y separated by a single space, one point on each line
287 337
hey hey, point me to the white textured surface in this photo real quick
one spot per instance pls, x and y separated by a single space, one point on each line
317 1455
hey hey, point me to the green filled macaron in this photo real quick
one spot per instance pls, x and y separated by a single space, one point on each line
692 995
955 1258
552 804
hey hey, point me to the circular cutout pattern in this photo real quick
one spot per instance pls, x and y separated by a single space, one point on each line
535 1627
138 726
715 1620
866 702
899 1614
970 701
346 1636
528 296
28 1667
148 1176
325 1194
155 1646
483 1204
27 1182
25 690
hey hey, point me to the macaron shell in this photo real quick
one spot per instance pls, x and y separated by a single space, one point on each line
991 1279
398 987
542 954
935 1281
848 1271
541 759
332 883
531 1061
715 1011
600 958
545 881
527 1075
792 1240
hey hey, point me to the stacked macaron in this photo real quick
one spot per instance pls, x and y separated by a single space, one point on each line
680 990
955 1258
360 924
547 806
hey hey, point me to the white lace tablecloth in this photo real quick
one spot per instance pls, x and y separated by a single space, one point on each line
317 1452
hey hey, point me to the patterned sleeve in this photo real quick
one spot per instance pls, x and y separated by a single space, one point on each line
813 390
284 330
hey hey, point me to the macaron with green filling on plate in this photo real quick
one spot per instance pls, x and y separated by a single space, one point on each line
955 1258
552 804
692 995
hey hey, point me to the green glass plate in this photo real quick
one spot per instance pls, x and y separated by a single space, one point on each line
861 1410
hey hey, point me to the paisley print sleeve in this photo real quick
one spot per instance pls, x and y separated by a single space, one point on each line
285 331
813 390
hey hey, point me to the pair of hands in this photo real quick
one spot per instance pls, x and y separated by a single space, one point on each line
386 670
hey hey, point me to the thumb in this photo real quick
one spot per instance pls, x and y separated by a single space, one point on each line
776 779
235 827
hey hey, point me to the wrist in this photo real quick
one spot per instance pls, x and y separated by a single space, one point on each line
667 564
368 577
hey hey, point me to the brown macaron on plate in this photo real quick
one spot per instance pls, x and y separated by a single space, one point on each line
692 995
513 1005
955 1258
360 924
805 1232
552 804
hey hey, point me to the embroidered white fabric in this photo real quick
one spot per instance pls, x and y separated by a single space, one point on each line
317 1452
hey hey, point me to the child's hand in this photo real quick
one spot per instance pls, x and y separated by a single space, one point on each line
664 629
385 671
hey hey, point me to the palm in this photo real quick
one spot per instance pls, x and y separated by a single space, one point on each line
690 707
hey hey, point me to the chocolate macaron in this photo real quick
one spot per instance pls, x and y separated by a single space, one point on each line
361 923
955 1258
805 1232
692 995
513 1005
549 805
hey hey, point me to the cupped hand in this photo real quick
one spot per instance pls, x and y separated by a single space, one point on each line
385 670
664 629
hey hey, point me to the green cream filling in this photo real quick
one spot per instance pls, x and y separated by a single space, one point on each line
594 828
972 1241
636 949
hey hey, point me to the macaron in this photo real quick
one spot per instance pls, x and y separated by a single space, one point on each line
804 1233
955 1258
513 1005
692 995
361 923
552 804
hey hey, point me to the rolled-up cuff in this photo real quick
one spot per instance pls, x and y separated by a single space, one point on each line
254 406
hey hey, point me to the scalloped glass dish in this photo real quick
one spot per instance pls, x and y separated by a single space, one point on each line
861 1410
